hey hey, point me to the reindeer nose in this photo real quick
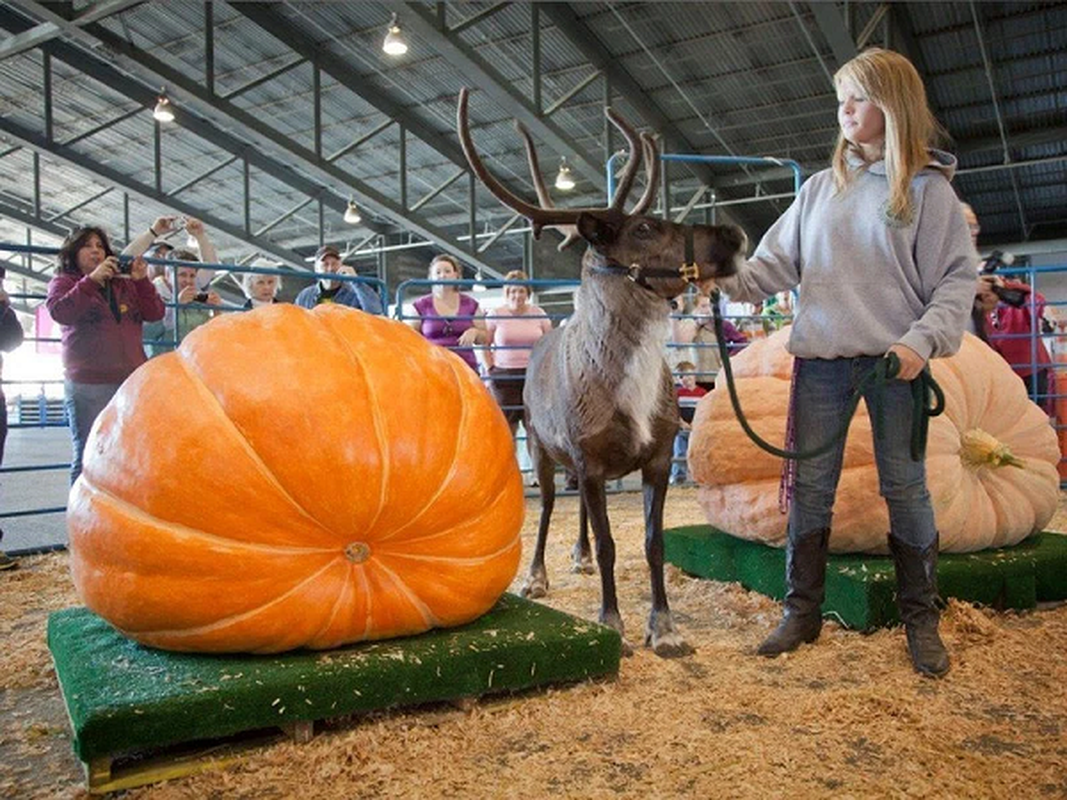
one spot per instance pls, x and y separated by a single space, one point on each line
734 237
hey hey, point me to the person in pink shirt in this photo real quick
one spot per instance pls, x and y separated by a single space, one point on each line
513 329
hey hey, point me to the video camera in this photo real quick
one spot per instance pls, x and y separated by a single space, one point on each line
1013 297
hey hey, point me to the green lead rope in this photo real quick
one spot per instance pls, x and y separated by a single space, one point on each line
927 398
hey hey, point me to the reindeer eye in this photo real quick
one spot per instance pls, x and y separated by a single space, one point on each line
645 230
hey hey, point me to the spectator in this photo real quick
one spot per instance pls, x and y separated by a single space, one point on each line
354 295
699 331
512 331
1008 327
193 287
688 396
777 312
147 245
447 317
160 335
10 337
985 300
1010 330
261 290
158 249
101 308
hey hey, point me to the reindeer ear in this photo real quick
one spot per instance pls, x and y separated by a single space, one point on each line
597 228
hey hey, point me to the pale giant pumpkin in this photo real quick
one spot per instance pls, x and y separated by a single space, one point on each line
292 478
991 460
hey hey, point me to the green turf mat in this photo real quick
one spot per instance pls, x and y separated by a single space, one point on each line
860 589
123 697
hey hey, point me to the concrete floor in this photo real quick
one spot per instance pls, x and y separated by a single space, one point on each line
25 491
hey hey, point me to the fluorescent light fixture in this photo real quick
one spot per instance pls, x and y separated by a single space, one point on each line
163 112
564 179
352 215
394 43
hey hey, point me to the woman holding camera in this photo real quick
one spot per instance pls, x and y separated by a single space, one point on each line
101 305
193 287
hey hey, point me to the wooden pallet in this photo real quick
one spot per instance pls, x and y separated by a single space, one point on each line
141 715
105 774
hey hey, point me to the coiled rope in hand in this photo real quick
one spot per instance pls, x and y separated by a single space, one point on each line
927 398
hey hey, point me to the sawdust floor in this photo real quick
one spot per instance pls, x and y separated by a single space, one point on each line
844 717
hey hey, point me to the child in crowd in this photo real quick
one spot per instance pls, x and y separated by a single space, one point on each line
883 257
699 332
688 395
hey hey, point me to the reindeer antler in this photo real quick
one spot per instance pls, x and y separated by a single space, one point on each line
651 156
570 232
547 215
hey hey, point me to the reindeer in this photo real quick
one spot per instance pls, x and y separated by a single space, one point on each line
599 397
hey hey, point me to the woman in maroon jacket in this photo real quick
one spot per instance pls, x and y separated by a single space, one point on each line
100 309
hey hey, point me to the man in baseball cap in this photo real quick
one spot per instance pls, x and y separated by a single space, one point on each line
347 293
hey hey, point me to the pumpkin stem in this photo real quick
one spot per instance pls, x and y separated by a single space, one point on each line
357 552
981 449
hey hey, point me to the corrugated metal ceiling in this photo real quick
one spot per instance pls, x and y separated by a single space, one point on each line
736 78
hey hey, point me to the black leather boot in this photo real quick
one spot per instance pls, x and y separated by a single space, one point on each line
917 600
805 577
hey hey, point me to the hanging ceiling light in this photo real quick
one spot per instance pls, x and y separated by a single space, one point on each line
394 43
163 112
564 179
479 287
352 215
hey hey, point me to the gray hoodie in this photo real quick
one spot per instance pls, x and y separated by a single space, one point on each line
868 282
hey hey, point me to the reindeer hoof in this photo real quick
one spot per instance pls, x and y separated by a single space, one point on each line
534 588
583 565
627 650
669 644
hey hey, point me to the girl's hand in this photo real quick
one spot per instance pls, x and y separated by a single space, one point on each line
213 299
194 227
187 294
105 271
138 269
469 337
911 363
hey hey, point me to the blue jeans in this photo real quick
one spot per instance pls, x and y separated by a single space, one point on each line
84 402
681 449
823 388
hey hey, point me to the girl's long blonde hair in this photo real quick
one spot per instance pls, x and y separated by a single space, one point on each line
890 81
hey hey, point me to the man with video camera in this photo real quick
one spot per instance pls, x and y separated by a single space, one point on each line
1002 315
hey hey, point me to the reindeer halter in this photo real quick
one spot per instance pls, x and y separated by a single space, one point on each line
688 271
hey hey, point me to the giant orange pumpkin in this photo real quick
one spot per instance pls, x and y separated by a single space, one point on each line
292 478
990 462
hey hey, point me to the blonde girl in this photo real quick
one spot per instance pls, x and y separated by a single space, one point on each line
883 258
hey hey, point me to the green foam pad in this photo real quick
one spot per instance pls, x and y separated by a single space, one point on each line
123 697
860 589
